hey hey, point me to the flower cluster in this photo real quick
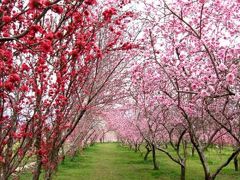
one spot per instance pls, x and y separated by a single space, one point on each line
107 14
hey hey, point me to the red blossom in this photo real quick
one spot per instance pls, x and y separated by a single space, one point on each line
20 152
39 69
24 88
2 159
128 45
14 78
6 19
9 86
86 13
118 22
37 28
34 4
74 53
57 9
47 3
41 61
107 14
44 160
59 35
111 28
25 67
49 35
90 2
46 46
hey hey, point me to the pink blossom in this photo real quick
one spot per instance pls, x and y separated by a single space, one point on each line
211 89
222 67
204 93
230 78
194 86
202 1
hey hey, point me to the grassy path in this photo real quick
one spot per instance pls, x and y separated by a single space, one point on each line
106 162
110 161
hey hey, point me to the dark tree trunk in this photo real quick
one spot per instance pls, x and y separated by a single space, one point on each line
54 159
63 155
208 177
193 151
155 166
183 172
235 161
102 138
147 153
183 161
38 167
135 147
48 175
201 155
166 146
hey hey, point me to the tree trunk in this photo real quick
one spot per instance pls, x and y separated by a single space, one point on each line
183 172
51 170
197 145
193 151
48 175
135 147
63 154
38 167
155 166
4 176
183 161
208 177
147 153
235 161
166 145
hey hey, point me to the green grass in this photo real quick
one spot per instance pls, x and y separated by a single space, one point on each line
106 161
110 161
